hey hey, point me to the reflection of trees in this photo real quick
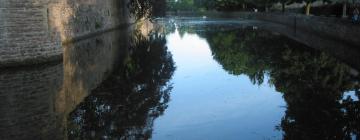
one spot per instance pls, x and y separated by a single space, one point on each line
127 103
312 82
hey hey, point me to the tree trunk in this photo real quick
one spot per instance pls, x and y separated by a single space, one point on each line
308 6
283 7
243 6
344 9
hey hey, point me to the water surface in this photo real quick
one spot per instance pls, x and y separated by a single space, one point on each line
235 80
187 78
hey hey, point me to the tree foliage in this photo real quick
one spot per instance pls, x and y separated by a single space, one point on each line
140 8
147 8
240 5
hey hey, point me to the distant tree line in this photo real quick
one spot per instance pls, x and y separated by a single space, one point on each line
155 8
237 5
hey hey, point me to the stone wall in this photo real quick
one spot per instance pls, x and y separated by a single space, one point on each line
340 50
338 29
32 31
24 35
333 28
74 18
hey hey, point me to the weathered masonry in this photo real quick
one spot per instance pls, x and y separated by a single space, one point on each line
36 101
31 31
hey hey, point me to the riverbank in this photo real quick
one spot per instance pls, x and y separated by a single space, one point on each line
333 28
339 49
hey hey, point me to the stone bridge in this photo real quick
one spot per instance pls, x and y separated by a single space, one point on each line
32 31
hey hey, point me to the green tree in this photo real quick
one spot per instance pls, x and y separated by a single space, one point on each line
140 8
147 8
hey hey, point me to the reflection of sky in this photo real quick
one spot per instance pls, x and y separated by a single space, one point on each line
351 95
208 103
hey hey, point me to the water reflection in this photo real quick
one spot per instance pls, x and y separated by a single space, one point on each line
27 102
208 103
36 100
232 81
312 82
127 103
321 92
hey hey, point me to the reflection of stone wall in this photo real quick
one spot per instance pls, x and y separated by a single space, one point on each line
35 102
31 31
27 102
333 28
86 64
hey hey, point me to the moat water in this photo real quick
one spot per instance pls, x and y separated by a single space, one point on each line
186 79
